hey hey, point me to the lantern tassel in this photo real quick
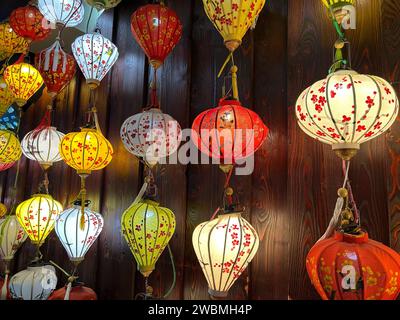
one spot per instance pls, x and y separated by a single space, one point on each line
68 291
235 90
83 200
3 295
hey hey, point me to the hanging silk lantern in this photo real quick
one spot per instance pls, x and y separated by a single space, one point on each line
232 18
10 42
68 13
23 80
353 267
151 135
336 7
147 228
37 216
229 132
12 236
42 145
29 23
103 4
95 56
34 283
6 166
56 67
10 148
347 109
75 240
10 120
78 292
3 210
157 29
224 247
6 96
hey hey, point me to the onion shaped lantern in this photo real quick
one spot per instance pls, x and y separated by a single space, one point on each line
147 228
68 13
103 4
37 216
56 67
6 96
43 146
157 29
224 247
151 135
353 267
10 42
10 148
34 283
29 23
78 293
347 109
95 56
75 240
232 18
229 132
23 80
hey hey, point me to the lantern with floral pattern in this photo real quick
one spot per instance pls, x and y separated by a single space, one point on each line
67 13
29 23
147 228
23 80
10 147
224 247
10 42
347 109
56 67
157 29
353 267
232 18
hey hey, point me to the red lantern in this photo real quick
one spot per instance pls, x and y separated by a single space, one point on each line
353 267
157 29
78 292
229 132
29 23
6 166
56 67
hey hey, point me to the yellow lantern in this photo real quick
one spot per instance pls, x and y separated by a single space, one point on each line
10 42
10 148
6 96
233 18
147 228
37 216
3 210
23 80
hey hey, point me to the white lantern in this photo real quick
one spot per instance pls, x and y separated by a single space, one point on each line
75 240
151 135
34 283
347 109
12 236
95 56
67 13
224 247
42 146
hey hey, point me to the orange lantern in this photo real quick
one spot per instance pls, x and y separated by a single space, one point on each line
353 267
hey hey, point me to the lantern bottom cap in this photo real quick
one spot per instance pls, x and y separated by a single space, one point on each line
20 102
146 271
232 44
156 63
217 294
346 151
83 172
93 83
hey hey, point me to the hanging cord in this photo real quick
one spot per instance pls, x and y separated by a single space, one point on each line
354 208
62 28
82 197
233 75
227 198
90 18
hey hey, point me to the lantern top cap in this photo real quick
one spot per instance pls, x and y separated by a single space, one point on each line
42 195
150 202
88 130
229 102
362 237
344 72
231 214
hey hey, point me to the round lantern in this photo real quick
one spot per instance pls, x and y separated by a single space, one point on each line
67 13
95 56
229 132
347 109
3 210
37 216
232 18
10 148
103 4
353 267
78 292
224 247
86 151
12 236
23 80
10 42
147 228
157 29
77 241
29 23
6 166
56 67
151 135
43 146
6 96
34 283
